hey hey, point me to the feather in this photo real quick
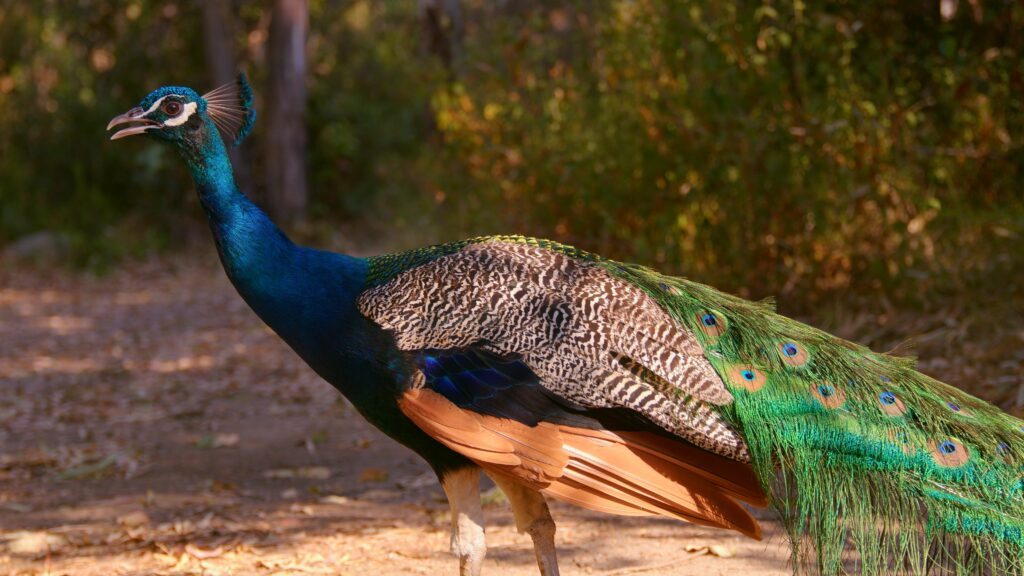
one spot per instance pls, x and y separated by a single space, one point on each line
622 473
873 467
591 338
860 452
230 106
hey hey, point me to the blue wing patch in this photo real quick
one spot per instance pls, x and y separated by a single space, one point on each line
484 382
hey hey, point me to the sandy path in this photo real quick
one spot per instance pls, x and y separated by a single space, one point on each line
149 424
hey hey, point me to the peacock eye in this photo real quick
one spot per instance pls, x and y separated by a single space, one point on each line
172 107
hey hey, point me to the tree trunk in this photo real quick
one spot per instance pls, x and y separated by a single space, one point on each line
221 61
286 101
443 30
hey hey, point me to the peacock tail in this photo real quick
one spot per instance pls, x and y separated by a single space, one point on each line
873 467
860 452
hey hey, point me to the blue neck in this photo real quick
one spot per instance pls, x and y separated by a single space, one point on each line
251 247
307 296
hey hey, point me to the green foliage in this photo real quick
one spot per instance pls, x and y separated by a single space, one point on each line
369 113
819 145
65 69
794 148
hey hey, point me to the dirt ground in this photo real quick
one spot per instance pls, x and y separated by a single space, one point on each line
149 424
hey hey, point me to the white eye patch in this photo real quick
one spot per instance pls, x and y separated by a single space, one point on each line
186 112
183 116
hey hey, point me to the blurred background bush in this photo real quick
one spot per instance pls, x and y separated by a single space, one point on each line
808 149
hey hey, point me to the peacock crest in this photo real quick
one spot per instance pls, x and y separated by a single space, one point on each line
231 108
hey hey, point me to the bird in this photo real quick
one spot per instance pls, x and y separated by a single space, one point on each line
561 374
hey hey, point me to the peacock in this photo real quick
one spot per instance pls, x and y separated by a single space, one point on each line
610 386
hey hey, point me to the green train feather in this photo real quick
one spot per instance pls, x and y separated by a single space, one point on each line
860 452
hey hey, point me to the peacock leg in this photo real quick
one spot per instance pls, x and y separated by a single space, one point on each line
462 487
532 517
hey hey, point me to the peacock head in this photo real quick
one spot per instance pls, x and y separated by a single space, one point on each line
182 117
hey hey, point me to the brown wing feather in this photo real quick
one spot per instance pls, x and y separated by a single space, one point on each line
735 478
589 336
626 473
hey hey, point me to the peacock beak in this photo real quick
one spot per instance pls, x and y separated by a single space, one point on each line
133 116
